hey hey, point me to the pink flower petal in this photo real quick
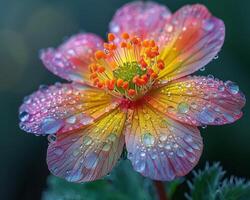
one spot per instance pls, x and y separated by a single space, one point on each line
90 153
198 100
161 148
191 39
144 19
63 107
70 61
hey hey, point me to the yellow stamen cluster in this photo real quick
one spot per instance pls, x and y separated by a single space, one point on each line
127 66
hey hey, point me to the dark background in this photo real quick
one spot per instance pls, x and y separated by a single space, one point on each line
26 26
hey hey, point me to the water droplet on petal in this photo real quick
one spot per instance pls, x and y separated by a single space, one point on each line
106 147
232 87
75 77
163 137
208 25
71 120
51 138
91 160
169 28
24 116
87 140
180 153
140 166
221 88
148 139
74 176
168 146
188 138
112 137
202 69
58 151
51 125
216 57
85 119
183 107
205 116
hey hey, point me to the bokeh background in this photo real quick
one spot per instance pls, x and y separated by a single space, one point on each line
29 25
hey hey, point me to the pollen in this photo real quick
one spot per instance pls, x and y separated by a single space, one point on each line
127 66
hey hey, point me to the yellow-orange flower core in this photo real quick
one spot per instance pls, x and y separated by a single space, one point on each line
127 66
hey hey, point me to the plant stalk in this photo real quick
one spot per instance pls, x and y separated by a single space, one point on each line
160 189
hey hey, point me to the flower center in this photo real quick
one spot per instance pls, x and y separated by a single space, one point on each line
127 66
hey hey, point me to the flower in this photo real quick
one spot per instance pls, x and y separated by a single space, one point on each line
133 90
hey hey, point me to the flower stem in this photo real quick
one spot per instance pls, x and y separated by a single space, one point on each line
162 194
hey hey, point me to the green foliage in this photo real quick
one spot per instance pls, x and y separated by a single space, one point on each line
126 184
123 184
208 184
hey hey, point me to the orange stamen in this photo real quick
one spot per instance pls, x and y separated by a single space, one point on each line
123 44
101 69
119 82
111 37
99 54
93 76
145 43
131 92
125 85
125 36
154 75
143 63
160 64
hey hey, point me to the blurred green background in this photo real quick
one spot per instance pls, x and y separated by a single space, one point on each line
27 26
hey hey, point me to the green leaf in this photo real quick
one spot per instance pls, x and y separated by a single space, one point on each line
233 189
205 183
123 184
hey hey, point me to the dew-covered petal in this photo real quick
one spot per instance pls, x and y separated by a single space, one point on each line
71 60
161 148
89 153
144 19
198 100
191 38
63 107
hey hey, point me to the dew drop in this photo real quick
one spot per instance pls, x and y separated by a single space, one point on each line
232 87
163 137
76 152
51 138
51 125
112 137
205 116
183 107
216 57
140 166
87 140
74 176
24 116
71 120
91 160
86 120
58 151
202 69
180 153
221 88
208 25
75 77
106 147
188 138
148 139
169 28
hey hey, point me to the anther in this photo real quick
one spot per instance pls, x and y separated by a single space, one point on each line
99 55
125 36
111 37
131 92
